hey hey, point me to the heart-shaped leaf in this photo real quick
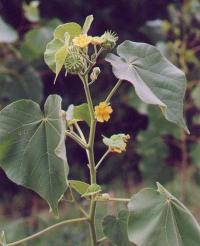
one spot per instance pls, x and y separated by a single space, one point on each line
72 28
156 80
35 154
158 219
115 228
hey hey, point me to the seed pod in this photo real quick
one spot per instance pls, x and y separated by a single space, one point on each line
74 62
110 39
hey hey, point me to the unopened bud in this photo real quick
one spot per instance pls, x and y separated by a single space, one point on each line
95 73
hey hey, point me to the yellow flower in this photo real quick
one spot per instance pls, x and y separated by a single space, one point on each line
97 40
103 111
81 41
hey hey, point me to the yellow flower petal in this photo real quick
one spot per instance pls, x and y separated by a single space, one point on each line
82 41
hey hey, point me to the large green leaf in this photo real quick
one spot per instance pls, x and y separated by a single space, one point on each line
158 219
35 156
156 80
115 228
19 80
8 34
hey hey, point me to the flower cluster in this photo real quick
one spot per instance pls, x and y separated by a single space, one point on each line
107 40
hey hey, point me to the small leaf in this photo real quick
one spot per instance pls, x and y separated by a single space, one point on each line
115 228
78 113
8 34
79 186
3 239
49 55
81 112
156 80
92 190
87 24
36 155
31 11
158 218
72 28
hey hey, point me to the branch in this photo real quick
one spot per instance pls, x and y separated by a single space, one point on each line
38 234
113 91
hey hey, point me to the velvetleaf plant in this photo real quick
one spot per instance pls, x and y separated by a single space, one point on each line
32 140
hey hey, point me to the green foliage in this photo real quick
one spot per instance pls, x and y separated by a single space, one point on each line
115 228
32 146
78 113
19 80
8 34
155 79
29 131
158 218
35 40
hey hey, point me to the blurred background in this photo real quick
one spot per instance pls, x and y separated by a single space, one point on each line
158 150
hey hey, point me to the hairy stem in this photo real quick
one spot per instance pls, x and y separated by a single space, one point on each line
48 229
91 160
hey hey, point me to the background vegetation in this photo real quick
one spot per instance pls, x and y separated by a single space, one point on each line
159 151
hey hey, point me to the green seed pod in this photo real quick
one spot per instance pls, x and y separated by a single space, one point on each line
74 62
110 39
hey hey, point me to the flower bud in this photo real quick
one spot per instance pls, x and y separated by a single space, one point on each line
95 73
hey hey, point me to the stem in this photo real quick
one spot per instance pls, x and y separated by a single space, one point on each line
76 138
101 240
102 159
114 89
115 200
91 160
80 132
77 204
48 229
